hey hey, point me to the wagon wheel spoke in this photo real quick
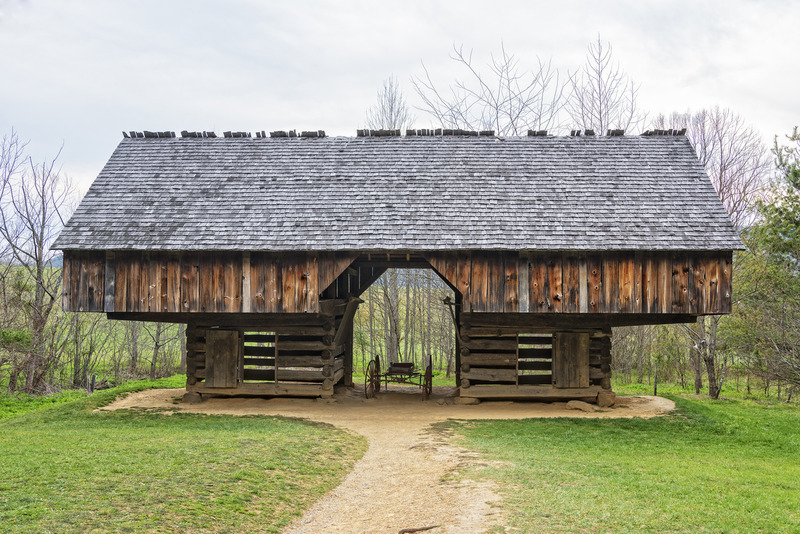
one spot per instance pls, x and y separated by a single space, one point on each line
427 383
370 380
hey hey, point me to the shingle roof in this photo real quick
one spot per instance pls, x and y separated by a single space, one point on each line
402 193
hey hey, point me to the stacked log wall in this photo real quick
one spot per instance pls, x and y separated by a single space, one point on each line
513 360
304 359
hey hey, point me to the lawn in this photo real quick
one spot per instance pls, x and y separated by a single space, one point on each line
713 466
64 468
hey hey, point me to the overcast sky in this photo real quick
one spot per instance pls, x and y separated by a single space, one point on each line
77 73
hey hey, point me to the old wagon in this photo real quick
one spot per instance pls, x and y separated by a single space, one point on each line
397 373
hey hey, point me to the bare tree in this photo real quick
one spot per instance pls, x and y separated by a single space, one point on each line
35 198
734 155
390 112
502 96
602 96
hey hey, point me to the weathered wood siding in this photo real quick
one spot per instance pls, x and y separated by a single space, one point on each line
212 282
657 283
626 283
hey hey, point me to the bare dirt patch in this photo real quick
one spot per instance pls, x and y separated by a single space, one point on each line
402 481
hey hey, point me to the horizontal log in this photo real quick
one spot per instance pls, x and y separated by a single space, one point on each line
478 331
264 388
488 374
595 373
488 359
302 345
498 391
491 344
525 365
300 361
300 375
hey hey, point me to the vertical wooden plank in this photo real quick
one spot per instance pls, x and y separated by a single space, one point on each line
163 283
311 291
109 281
290 286
637 282
555 281
711 298
257 289
222 358
66 285
205 282
273 290
594 267
231 282
626 283
153 283
523 275
495 282
144 281
133 283
218 279
479 290
246 284
511 283
583 286
173 272
610 283
190 283
572 284
680 282
698 288
464 261
649 284
96 269
121 283
451 269
664 283
571 359
725 297
83 282
539 286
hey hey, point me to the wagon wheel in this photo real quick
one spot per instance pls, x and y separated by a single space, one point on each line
427 383
372 380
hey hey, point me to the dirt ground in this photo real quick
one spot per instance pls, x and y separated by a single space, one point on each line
401 482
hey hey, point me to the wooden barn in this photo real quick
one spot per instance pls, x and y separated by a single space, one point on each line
261 246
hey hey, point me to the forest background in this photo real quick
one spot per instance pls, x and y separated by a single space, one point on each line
404 315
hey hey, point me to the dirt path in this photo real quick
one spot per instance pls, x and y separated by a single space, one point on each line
401 482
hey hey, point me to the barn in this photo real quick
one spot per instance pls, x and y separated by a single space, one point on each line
262 245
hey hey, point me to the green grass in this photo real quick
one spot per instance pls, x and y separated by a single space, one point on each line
66 469
713 466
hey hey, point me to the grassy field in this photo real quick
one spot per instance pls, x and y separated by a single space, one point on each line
64 468
713 466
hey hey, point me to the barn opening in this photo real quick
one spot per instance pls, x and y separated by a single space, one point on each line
407 316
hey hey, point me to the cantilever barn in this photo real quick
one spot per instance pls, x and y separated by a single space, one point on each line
262 245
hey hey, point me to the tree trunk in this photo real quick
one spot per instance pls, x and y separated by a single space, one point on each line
182 336
156 347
